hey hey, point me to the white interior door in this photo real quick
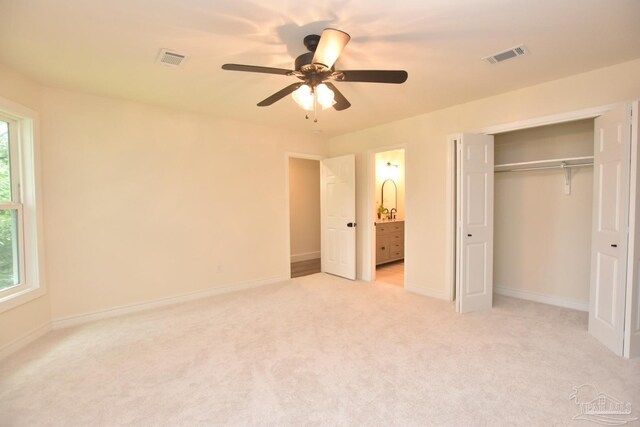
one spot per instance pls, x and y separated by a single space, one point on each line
338 206
632 319
612 154
474 204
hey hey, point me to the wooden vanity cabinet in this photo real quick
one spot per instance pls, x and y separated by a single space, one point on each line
389 241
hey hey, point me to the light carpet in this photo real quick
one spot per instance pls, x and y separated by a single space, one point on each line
316 350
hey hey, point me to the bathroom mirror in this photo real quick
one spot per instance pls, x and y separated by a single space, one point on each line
390 200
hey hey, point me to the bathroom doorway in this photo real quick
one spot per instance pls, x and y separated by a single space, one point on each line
388 238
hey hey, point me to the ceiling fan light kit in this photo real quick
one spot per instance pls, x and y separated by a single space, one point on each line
308 97
315 68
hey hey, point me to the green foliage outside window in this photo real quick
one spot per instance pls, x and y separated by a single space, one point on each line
7 217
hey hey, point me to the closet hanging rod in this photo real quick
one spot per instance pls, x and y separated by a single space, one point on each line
560 166
545 162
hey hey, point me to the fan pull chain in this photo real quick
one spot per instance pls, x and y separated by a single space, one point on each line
315 106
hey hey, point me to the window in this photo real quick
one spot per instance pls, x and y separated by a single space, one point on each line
19 231
11 242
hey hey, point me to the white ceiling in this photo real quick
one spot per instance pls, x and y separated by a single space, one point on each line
110 48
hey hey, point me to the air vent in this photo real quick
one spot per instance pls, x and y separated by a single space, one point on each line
171 59
507 54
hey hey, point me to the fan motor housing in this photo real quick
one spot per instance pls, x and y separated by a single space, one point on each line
304 59
309 72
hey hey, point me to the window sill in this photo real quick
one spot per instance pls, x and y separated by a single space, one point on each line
16 299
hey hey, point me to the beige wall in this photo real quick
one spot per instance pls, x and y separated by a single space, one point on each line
147 203
304 208
143 203
21 320
425 137
395 157
542 237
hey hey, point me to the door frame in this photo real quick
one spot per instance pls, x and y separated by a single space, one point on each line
588 113
369 272
287 202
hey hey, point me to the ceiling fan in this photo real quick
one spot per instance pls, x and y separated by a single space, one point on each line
316 69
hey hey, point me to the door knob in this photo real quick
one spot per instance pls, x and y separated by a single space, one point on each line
469 235
614 246
351 224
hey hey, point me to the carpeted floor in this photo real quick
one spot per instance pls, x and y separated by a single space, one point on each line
316 350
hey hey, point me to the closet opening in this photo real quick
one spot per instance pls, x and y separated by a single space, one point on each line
543 203
550 214
388 238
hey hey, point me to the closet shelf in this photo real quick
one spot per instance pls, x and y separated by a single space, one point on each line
545 164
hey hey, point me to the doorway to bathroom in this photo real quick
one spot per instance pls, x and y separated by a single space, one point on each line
389 214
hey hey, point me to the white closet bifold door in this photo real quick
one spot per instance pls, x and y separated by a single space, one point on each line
474 248
612 148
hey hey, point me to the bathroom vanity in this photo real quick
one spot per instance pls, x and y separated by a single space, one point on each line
389 241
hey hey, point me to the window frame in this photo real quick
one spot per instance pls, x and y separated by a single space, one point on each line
15 204
23 149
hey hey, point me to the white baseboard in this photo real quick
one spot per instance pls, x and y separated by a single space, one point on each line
65 322
432 293
305 256
543 298
24 340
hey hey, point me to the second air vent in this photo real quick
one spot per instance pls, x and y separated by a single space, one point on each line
507 54
171 59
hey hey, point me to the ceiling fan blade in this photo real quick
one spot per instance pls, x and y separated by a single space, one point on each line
279 95
341 101
256 69
373 76
330 46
